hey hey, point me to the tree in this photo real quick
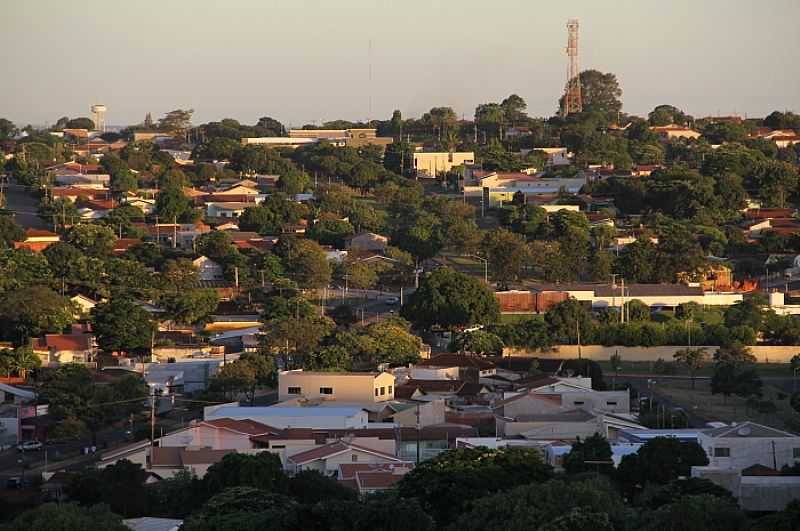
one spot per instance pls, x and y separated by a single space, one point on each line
450 299
703 512
31 311
394 342
260 471
553 506
331 232
244 508
67 517
567 319
310 486
636 310
666 115
449 481
190 306
507 254
22 360
478 342
514 108
307 264
600 92
121 325
80 123
10 232
693 359
176 121
93 486
660 460
593 453
94 240
172 205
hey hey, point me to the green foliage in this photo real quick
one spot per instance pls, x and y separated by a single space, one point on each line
310 486
67 517
307 265
530 333
702 512
332 232
262 471
449 481
10 231
553 505
190 306
122 325
566 319
244 508
580 457
449 299
478 342
31 311
659 460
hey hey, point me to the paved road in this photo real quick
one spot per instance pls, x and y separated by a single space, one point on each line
639 382
24 205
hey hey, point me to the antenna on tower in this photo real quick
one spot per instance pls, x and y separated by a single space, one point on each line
572 94
369 85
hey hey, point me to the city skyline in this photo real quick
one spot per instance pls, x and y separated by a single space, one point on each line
307 62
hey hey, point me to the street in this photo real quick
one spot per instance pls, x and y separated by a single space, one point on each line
24 205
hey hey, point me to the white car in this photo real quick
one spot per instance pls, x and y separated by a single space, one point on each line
28 446
391 301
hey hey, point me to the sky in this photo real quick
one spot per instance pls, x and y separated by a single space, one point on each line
306 61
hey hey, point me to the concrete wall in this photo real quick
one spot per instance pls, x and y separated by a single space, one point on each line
764 353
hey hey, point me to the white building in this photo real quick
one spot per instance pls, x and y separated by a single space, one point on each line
747 444
208 269
295 417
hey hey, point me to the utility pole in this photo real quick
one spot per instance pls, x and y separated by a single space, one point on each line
152 424
774 457
578 329
773 444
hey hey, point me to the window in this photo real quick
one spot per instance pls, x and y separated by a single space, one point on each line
376 391
578 403
326 390
294 390
278 446
796 453
611 403
383 391
354 457
722 452
390 389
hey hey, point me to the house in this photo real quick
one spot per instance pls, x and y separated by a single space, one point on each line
367 241
55 349
208 269
299 417
83 303
96 208
552 391
327 459
564 424
183 376
73 193
745 459
227 209
122 245
37 240
468 368
742 445
89 180
527 301
669 132
146 205
340 386
432 164
222 433
355 138
367 478
166 461
599 296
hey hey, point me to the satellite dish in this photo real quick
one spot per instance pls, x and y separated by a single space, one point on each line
744 431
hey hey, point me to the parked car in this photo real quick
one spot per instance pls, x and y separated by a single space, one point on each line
391 301
29 446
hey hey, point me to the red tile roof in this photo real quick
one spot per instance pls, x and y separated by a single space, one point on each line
123 244
36 233
62 342
377 480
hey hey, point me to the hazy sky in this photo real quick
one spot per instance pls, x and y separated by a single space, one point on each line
308 60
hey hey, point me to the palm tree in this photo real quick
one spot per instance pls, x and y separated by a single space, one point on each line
616 365
795 365
5 362
24 359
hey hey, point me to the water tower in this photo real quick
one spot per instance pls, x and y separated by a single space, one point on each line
99 117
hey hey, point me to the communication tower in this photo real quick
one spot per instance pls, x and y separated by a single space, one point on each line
572 95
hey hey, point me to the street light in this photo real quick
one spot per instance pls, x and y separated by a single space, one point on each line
485 266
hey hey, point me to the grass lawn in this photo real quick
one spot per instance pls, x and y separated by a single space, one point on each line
717 407
780 370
